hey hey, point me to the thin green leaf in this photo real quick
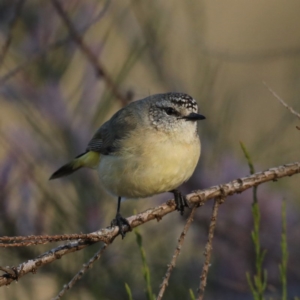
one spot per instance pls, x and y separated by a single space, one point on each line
128 291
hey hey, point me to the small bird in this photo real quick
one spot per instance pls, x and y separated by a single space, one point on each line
150 146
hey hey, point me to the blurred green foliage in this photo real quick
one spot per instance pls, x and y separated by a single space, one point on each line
259 282
145 270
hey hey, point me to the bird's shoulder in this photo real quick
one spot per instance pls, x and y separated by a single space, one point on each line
107 138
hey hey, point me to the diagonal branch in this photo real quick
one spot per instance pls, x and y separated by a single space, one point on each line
82 271
100 69
107 234
33 240
208 247
241 184
175 255
282 101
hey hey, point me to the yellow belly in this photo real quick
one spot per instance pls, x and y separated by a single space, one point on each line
149 168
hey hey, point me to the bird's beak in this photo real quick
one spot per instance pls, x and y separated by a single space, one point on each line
194 117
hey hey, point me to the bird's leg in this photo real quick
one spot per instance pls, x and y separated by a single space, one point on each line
120 221
180 201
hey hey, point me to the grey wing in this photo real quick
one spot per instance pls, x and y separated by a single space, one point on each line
107 138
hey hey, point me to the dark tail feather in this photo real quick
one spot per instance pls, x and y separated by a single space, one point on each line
89 159
66 169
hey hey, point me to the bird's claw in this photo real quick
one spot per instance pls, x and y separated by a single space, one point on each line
120 221
180 201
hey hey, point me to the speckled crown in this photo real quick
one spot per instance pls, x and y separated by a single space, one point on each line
182 99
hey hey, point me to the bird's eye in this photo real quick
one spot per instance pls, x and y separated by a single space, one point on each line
171 111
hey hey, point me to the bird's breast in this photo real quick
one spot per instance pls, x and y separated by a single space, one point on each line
149 163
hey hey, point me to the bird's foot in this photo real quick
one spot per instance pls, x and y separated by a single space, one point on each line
180 201
120 221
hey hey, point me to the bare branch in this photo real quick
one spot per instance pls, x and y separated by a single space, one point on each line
32 265
208 247
108 234
85 268
29 240
239 185
176 253
282 101
100 69
17 13
24 244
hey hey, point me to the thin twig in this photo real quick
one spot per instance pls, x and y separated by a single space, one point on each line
176 253
282 101
12 24
52 46
106 234
11 241
85 268
208 247
99 67
24 244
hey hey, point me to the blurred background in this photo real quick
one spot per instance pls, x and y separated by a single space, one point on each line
52 101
